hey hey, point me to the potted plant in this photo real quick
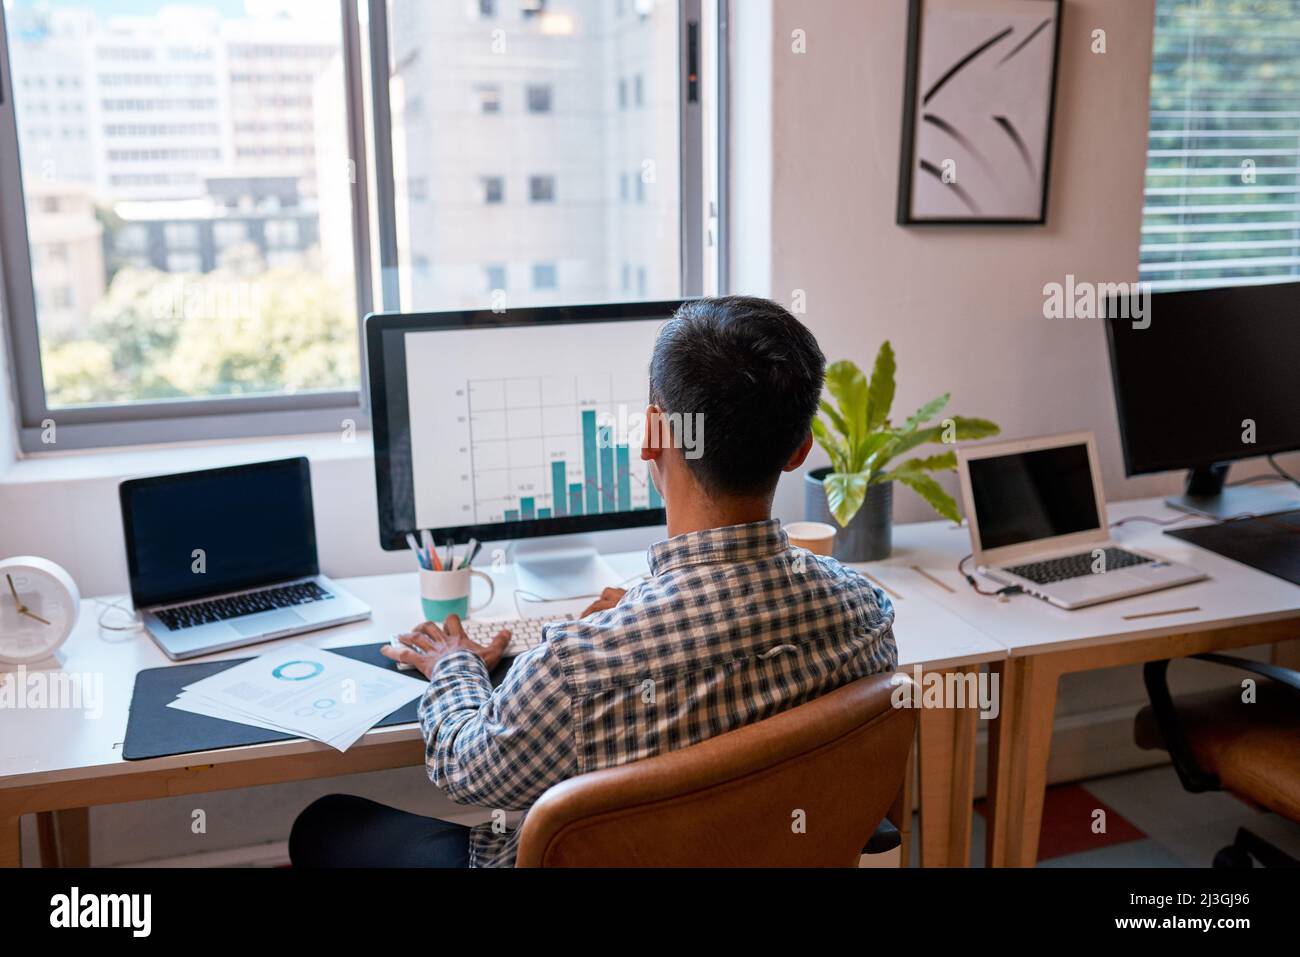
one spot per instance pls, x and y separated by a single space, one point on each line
863 443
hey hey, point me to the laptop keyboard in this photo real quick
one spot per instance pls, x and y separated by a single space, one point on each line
1075 566
236 606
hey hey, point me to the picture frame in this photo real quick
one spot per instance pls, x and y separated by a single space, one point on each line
979 106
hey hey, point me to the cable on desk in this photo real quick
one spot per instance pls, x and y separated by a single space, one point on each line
132 624
1282 472
1001 594
1154 521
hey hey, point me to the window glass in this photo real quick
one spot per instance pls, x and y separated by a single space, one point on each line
195 192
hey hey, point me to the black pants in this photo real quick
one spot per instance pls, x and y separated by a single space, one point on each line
341 830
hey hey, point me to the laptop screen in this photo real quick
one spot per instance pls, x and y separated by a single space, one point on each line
1028 496
204 533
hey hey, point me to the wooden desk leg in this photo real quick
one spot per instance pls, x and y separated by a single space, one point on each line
1019 745
946 750
47 846
74 836
11 839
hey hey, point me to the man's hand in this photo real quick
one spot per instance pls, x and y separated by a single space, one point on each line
608 599
427 644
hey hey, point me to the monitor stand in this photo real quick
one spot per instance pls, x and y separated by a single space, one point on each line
557 573
1207 495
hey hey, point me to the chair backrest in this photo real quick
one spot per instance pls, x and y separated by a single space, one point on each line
804 788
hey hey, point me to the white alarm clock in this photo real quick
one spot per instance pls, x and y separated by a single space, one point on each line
39 604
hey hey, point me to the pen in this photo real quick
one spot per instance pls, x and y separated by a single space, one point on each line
470 549
477 547
450 546
415 547
431 551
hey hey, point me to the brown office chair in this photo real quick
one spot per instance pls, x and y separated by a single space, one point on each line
735 800
1217 742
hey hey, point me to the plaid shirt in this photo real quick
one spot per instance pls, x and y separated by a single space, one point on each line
733 626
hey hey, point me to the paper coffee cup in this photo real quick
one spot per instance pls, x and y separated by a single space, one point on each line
817 537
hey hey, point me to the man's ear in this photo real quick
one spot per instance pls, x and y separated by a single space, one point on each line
655 436
800 454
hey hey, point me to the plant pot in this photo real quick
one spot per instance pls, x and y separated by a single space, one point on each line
869 535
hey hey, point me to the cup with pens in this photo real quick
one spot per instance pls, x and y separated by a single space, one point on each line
447 578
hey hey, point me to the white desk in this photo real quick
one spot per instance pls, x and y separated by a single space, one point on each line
60 760
1236 607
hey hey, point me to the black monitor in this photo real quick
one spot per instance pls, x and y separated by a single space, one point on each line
512 425
1206 378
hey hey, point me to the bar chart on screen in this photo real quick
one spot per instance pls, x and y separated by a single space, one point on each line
529 423
557 446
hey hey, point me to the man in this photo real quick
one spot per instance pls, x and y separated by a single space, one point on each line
732 626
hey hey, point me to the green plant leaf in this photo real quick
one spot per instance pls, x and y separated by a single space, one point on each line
867 458
944 462
967 429
963 430
881 390
837 420
926 412
833 445
845 381
845 493
933 493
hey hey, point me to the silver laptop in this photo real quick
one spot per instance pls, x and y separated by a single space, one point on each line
1038 520
227 557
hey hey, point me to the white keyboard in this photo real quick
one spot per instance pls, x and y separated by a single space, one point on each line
525 633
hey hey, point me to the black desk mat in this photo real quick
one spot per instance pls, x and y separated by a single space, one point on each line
154 730
1270 543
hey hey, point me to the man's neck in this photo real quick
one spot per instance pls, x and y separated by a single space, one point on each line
704 513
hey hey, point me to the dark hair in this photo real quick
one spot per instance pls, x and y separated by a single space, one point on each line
754 373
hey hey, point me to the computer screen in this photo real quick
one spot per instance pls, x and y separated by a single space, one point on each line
1212 379
220 530
1030 496
512 425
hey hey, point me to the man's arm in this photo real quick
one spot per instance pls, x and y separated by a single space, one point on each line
498 749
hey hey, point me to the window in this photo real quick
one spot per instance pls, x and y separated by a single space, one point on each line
544 276
1223 169
488 98
194 259
229 233
494 189
169 312
539 98
541 189
181 235
283 233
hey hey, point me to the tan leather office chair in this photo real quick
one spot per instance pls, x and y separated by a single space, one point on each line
1218 742
836 763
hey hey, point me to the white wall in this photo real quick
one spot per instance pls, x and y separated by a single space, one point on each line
961 306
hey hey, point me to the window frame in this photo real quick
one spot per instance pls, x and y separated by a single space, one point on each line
375 260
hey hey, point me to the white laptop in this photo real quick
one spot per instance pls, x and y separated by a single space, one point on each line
1038 520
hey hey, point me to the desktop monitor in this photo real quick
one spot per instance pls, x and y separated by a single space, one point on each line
1215 369
514 425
